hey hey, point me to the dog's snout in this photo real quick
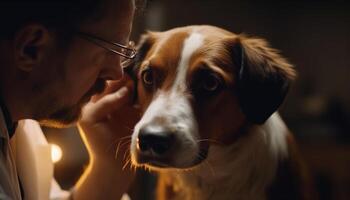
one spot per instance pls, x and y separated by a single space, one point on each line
154 139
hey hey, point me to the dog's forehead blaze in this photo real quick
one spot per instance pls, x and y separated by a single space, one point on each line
168 46
166 50
169 49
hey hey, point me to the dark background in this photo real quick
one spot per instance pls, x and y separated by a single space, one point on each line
313 35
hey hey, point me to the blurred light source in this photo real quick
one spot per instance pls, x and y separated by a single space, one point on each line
56 153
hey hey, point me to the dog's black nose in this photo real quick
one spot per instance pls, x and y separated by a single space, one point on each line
154 139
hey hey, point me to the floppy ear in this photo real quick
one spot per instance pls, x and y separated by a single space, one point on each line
145 43
143 46
263 77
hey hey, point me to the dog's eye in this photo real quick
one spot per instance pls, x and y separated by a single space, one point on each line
147 77
211 83
206 84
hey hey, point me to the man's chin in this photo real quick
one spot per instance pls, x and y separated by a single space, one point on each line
67 116
63 118
55 123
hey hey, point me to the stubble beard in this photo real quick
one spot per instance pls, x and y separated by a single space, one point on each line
63 116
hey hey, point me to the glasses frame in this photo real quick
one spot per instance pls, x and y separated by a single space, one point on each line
99 42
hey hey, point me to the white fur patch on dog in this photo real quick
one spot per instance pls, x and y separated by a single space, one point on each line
174 109
191 44
244 168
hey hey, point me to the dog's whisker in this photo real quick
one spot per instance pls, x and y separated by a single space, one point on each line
125 143
125 137
111 146
146 168
117 150
117 142
126 164
127 152
120 145
125 158
134 168
130 129
121 139
131 166
210 167
210 140
202 157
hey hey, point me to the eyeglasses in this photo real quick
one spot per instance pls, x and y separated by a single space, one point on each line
128 52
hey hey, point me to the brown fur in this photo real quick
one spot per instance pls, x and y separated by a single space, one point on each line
224 118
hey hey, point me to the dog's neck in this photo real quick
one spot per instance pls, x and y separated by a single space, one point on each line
247 166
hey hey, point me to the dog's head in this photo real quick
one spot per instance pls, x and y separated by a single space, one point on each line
198 86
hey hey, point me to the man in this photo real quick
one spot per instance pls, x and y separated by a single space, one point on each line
54 56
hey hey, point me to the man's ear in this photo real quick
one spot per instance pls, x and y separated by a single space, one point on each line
262 76
29 46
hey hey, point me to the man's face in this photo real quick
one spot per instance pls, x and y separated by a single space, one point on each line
79 70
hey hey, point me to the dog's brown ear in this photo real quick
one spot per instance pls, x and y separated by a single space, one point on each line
143 45
142 48
263 77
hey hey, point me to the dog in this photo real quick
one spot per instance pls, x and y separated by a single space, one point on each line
210 127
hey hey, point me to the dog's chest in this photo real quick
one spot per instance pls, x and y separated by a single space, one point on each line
239 172
176 186
191 187
228 180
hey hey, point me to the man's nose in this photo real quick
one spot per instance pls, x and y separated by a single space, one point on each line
112 69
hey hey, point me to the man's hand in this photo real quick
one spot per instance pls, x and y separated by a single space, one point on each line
108 120
107 123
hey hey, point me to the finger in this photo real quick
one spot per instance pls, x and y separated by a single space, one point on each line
110 103
111 86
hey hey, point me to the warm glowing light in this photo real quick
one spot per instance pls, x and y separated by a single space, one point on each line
56 153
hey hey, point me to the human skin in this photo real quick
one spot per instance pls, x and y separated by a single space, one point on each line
51 84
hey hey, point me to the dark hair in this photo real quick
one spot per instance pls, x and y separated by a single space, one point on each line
60 15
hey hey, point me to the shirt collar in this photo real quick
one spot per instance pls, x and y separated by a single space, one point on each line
6 118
